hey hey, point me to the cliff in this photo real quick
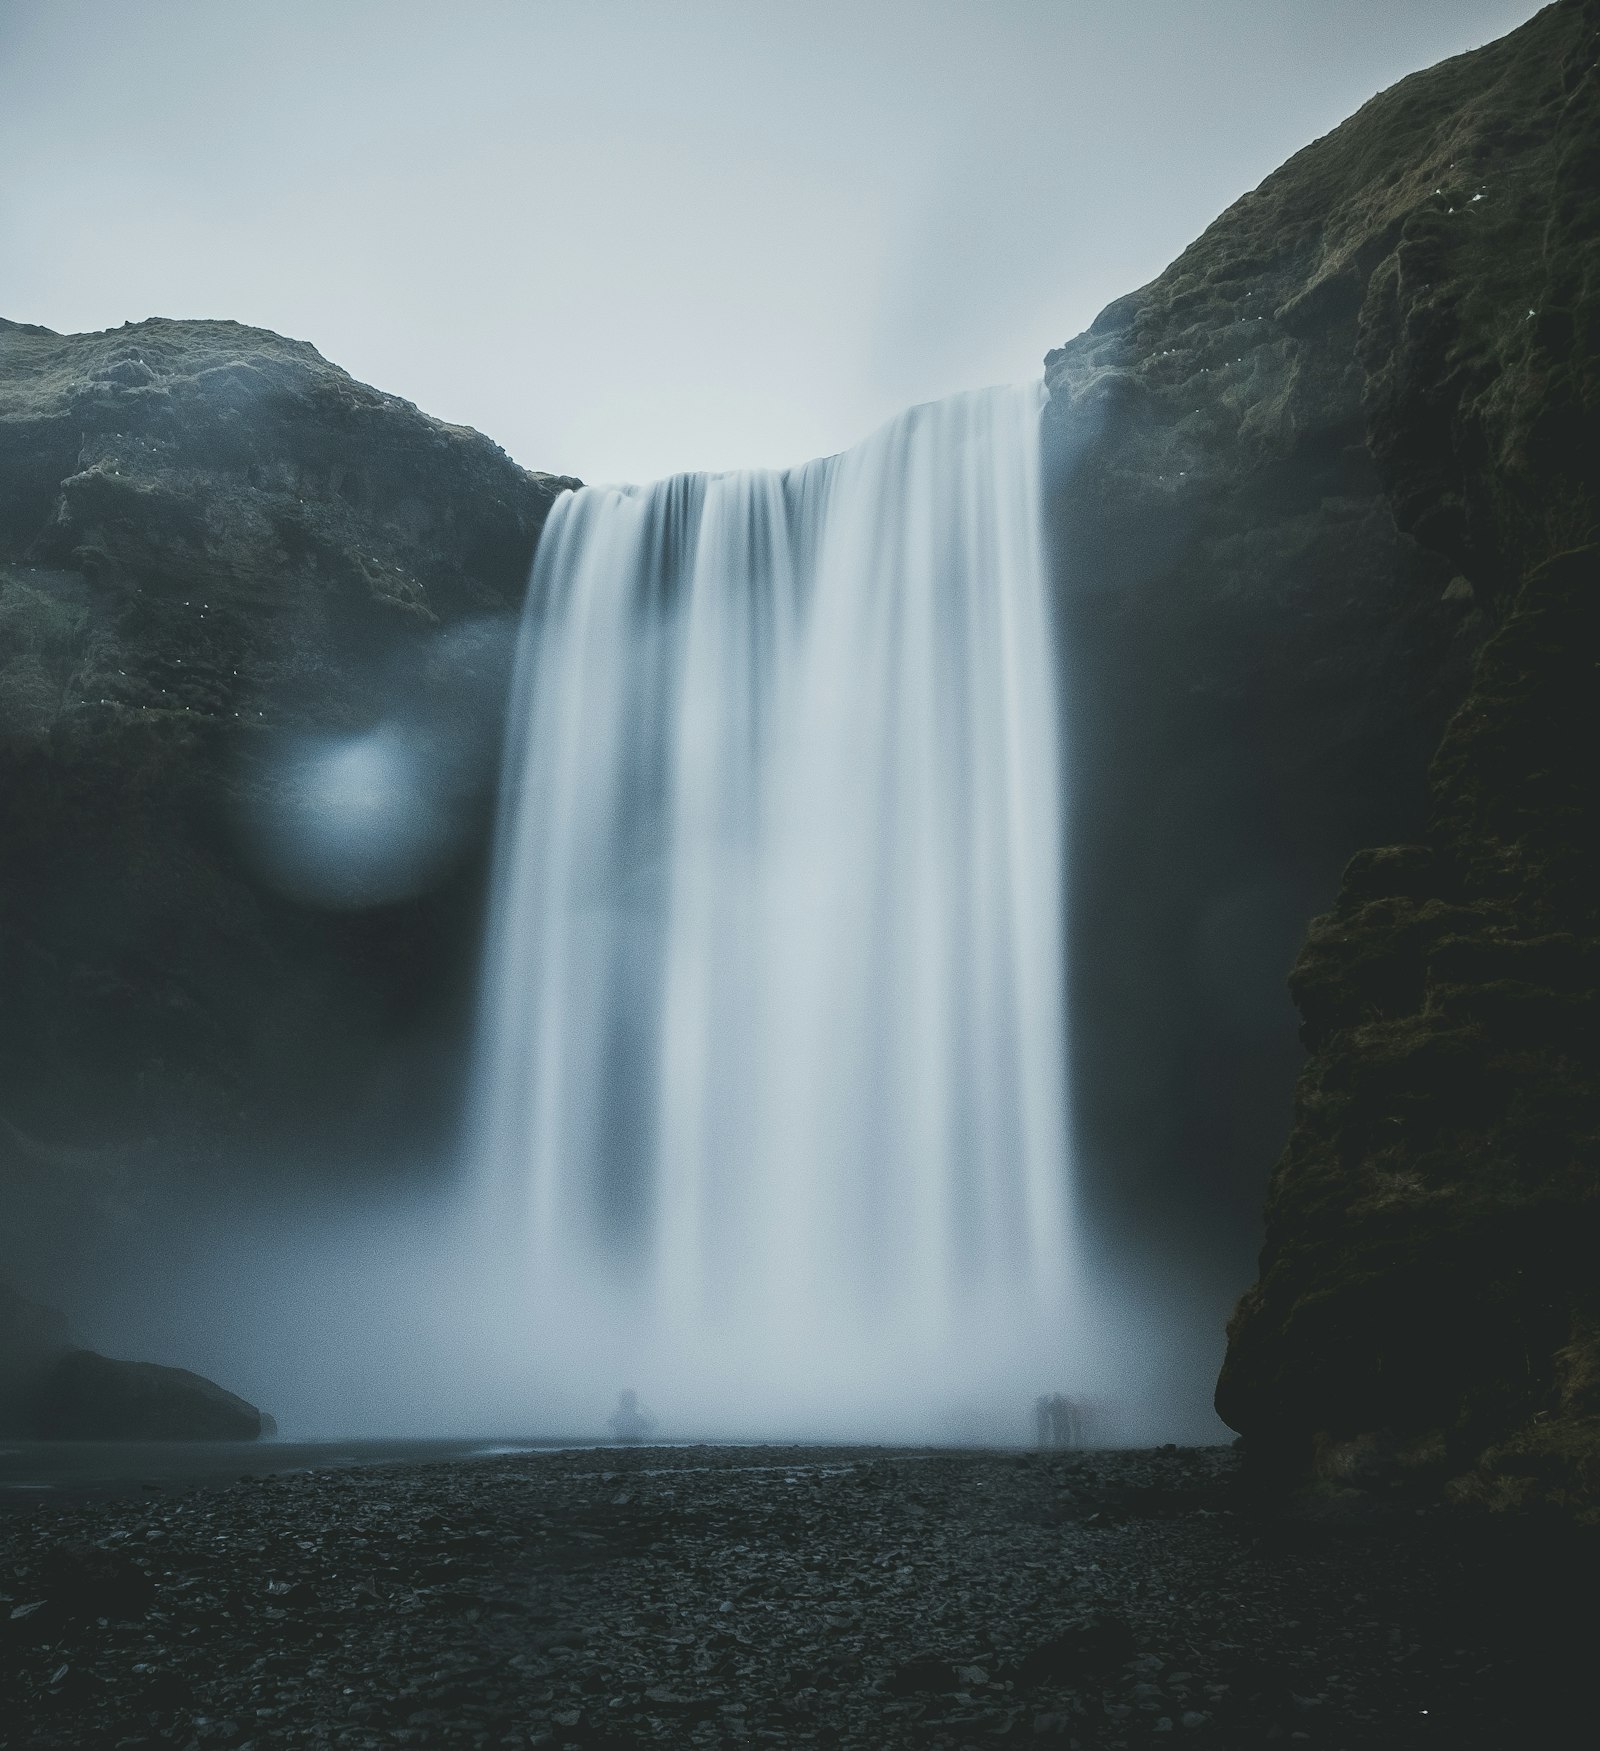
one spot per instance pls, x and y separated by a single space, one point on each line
214 545
1348 436
1299 480
1323 502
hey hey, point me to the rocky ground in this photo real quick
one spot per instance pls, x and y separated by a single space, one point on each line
727 1597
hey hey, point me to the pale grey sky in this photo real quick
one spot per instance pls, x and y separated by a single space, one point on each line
625 237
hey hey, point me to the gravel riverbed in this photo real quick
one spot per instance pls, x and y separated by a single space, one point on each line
831 1598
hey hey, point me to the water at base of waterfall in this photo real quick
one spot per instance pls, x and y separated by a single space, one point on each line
770 1115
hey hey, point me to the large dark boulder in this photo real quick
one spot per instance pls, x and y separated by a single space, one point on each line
83 1396
52 1389
31 1338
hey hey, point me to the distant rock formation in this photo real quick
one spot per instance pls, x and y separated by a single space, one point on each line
31 1337
51 1389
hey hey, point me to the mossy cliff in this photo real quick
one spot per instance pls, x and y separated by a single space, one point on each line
1349 436
1429 1296
212 540
1300 479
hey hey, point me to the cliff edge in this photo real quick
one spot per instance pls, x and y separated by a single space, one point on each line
215 545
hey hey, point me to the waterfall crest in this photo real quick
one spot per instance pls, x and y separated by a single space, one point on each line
770 1114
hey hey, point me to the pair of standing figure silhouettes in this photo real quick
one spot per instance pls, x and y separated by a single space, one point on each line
1059 1421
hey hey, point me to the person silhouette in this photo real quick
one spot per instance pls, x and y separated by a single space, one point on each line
628 1422
1059 1422
1066 1423
1044 1421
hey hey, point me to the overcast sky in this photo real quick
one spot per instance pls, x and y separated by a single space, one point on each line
626 237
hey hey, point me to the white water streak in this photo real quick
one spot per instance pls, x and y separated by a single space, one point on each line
771 1109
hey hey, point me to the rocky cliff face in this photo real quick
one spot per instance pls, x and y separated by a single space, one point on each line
1350 434
1428 1294
1428 1299
213 545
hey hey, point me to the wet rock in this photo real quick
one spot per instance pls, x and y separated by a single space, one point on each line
82 1396
32 1337
214 543
1426 1313
635 1653
165 1692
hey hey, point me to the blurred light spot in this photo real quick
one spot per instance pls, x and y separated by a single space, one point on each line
354 821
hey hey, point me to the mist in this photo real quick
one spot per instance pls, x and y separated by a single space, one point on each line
352 1313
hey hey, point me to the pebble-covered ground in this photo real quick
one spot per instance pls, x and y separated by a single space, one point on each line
718 1597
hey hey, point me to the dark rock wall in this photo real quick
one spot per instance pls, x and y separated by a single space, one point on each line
1429 1296
1428 1287
1262 653
211 539
1296 483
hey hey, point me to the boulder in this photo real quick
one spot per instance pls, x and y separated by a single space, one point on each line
31 1338
82 1396
52 1389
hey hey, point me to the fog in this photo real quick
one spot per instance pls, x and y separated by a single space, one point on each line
348 1314
627 239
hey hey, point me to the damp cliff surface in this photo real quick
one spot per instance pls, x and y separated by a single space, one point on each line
1428 1303
212 543
1347 438
1301 478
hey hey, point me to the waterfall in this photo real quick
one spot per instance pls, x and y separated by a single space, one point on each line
770 1114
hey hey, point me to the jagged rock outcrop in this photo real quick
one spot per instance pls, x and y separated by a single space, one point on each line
211 542
1428 1299
1427 1295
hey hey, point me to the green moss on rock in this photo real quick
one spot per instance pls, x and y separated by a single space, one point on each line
212 541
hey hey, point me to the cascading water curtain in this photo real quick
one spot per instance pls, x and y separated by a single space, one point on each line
770 1117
